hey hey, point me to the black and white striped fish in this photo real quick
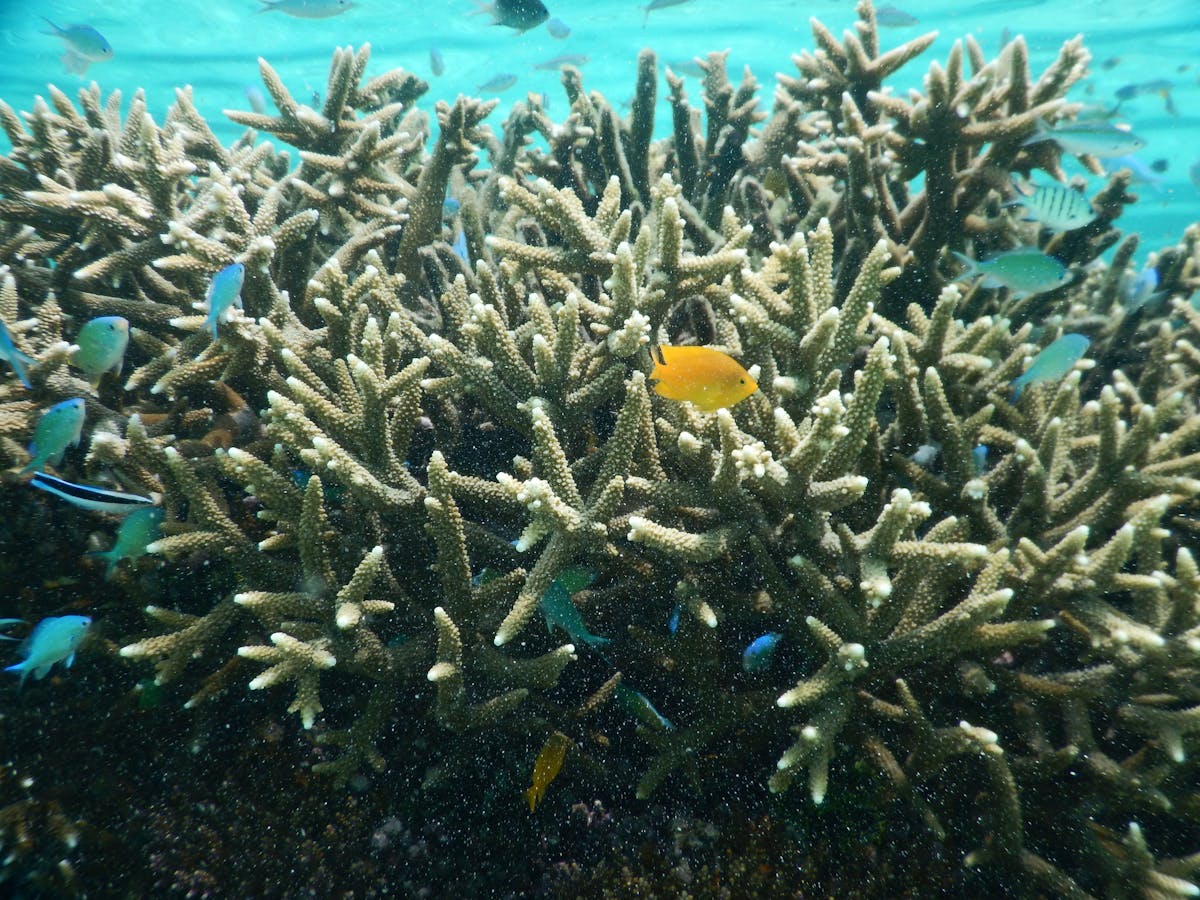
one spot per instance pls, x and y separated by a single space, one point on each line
91 497
1058 208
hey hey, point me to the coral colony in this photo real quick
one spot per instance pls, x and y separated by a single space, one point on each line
389 460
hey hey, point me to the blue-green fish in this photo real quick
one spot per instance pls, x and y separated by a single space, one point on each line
52 640
307 9
979 458
224 291
460 247
1094 138
140 528
1052 363
520 15
10 354
101 344
559 30
560 610
59 427
1023 271
758 656
1058 208
638 704
87 496
1138 290
673 619
83 46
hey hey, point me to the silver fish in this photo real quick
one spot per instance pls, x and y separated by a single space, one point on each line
1097 139
497 83
1058 208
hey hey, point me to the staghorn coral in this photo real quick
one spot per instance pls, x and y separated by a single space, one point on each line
386 462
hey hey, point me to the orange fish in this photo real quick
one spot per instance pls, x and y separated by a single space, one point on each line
705 377
547 765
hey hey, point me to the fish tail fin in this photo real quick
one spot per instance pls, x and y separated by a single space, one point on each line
20 363
972 266
23 669
110 558
1042 132
74 63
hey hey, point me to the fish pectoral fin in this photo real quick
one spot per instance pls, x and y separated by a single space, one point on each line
69 661
74 63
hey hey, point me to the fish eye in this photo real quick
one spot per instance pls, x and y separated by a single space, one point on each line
741 381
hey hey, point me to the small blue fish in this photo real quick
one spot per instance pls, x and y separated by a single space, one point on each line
560 610
673 620
760 653
497 83
979 458
520 15
460 247
1142 173
1138 290
891 17
659 4
437 64
224 292
559 30
83 44
1023 271
688 67
567 59
450 208
139 530
10 354
102 343
59 427
87 496
1052 363
256 98
1093 138
638 705
307 9
52 640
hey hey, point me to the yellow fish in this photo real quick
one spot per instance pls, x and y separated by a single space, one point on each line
705 377
547 765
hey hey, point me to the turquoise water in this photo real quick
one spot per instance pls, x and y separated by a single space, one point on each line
213 46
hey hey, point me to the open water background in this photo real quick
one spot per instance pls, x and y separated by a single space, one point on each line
213 45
